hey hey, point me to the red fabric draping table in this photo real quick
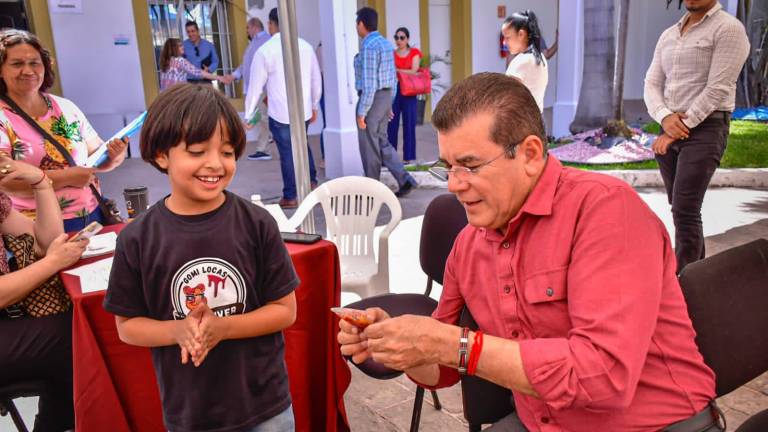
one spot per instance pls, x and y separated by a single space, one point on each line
114 383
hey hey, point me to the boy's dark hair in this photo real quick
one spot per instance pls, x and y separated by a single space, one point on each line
273 17
192 24
189 113
514 109
369 17
12 37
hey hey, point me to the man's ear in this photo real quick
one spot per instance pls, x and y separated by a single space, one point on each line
532 152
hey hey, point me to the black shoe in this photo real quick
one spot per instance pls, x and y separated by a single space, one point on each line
404 190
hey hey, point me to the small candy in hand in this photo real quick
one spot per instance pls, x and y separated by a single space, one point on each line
355 317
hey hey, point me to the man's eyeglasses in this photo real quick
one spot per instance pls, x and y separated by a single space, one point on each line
441 171
400 37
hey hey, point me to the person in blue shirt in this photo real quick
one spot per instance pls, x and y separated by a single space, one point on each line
374 81
199 51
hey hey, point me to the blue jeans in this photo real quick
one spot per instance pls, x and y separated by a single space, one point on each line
77 223
282 422
281 133
405 105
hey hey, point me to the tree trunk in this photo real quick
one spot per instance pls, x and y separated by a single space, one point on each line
621 55
594 107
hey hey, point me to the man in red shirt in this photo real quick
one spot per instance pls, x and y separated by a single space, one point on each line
569 274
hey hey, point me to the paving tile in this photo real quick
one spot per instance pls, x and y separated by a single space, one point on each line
745 400
760 384
734 419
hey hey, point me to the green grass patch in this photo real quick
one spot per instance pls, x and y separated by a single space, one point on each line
747 148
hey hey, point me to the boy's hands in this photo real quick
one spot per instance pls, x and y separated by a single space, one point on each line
198 333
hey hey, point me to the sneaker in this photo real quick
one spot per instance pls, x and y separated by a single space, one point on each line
404 190
288 203
260 156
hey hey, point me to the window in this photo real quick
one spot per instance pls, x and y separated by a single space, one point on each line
167 18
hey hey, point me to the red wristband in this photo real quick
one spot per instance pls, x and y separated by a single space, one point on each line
39 181
474 356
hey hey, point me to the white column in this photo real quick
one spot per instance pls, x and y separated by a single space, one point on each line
340 44
569 65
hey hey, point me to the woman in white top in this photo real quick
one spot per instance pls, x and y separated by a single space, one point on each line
523 38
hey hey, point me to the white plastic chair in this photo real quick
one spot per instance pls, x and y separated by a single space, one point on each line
351 205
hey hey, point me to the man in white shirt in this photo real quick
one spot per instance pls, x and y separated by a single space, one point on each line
260 133
690 89
267 68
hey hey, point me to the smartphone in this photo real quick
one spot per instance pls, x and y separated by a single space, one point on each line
356 317
91 230
294 237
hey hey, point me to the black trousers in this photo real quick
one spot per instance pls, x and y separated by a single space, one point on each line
687 169
41 349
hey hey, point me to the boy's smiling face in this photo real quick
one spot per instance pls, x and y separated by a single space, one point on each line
199 172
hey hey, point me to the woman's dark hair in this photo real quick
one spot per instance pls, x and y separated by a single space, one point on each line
189 113
369 17
12 37
527 21
404 30
170 50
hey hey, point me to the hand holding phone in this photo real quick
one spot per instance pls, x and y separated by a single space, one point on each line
356 317
91 230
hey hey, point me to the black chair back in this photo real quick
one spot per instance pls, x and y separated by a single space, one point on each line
484 402
727 297
444 218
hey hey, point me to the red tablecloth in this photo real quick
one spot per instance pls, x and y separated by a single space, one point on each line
114 383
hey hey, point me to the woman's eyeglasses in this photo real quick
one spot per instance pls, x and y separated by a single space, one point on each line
400 37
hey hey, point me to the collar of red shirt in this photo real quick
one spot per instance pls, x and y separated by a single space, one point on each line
539 201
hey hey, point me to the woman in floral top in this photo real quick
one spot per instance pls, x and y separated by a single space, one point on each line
36 348
175 69
26 73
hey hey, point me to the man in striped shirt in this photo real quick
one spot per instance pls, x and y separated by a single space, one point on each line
374 80
690 89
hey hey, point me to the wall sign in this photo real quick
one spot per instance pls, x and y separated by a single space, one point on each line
66 6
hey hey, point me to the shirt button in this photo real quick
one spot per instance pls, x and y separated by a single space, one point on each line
545 420
550 292
515 334
505 245
507 289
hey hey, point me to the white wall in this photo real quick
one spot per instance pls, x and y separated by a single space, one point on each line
404 13
439 44
102 78
647 20
486 26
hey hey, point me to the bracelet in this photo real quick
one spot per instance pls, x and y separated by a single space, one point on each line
39 181
463 342
474 357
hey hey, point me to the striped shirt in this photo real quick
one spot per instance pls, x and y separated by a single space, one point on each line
695 72
374 69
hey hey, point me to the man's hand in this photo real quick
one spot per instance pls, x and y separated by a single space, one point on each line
662 143
405 342
211 331
391 115
314 116
674 126
352 341
361 122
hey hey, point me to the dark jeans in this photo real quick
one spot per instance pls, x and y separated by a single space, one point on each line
405 105
687 169
281 133
41 349
79 222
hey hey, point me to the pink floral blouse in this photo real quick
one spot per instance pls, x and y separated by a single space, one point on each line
178 71
68 124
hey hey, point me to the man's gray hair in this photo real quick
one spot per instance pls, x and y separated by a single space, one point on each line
256 22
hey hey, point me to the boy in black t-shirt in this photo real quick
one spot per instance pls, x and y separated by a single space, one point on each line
203 277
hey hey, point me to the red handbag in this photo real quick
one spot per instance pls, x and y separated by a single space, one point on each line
415 84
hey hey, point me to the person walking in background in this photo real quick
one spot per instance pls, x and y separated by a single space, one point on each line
267 68
523 38
374 81
690 89
175 69
407 61
199 52
260 133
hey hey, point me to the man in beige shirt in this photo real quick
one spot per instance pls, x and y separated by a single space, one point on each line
690 89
